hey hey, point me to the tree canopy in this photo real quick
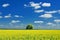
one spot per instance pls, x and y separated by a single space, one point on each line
29 26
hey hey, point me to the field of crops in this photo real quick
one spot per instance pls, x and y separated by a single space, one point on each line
29 34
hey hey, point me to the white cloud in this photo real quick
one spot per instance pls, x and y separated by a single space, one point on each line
38 22
40 3
25 5
49 23
38 11
1 17
46 15
59 11
5 5
34 5
15 21
50 11
46 4
37 7
57 20
54 11
17 16
7 16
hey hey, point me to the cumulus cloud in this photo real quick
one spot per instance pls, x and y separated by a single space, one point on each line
46 16
38 21
15 21
37 5
38 11
25 5
57 20
17 16
33 4
48 12
46 4
51 11
7 16
59 11
49 23
5 5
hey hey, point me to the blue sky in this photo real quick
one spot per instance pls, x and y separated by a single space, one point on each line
43 14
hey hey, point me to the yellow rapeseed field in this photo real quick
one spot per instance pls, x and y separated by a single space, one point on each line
29 34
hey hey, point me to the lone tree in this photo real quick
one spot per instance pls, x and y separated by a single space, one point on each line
29 26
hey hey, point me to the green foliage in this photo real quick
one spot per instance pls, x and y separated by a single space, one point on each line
29 26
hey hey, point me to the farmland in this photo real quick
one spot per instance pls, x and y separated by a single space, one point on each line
29 34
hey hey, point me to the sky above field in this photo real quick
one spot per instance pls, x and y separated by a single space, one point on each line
42 14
